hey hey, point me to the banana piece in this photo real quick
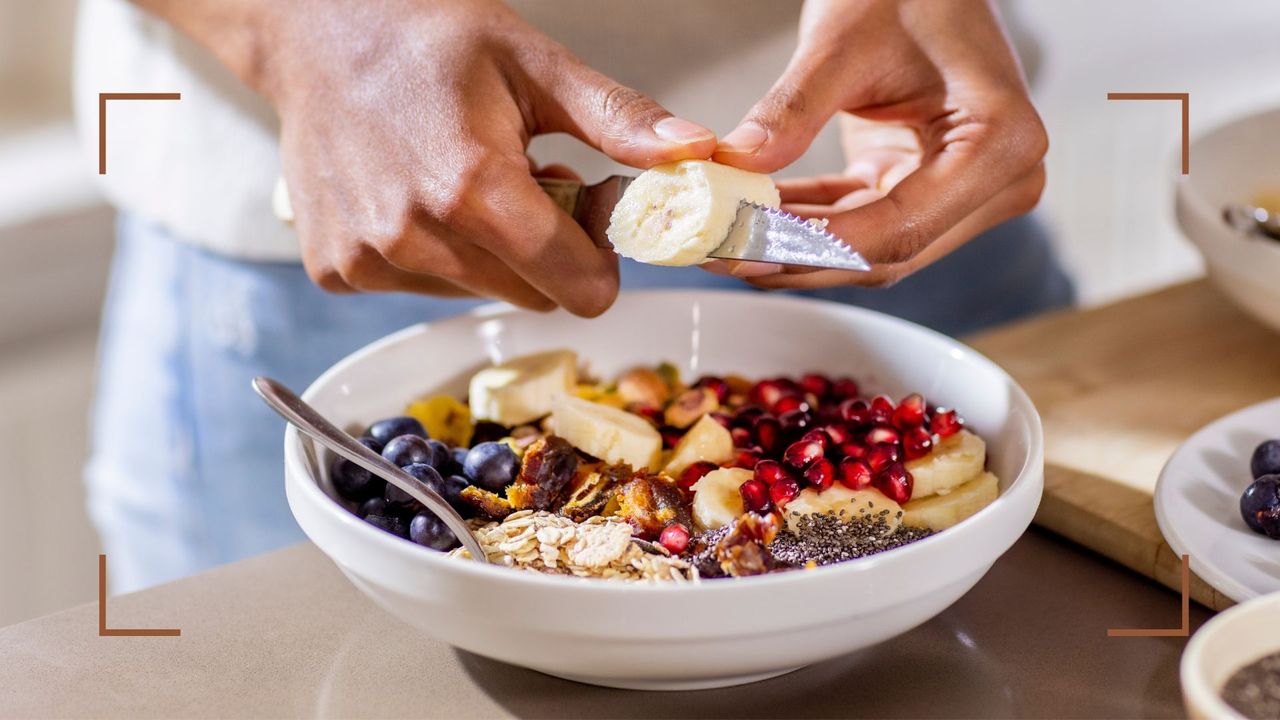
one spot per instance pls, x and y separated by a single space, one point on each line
608 433
842 502
716 500
953 462
939 512
523 389
677 213
707 440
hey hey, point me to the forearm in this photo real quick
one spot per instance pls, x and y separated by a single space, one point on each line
237 32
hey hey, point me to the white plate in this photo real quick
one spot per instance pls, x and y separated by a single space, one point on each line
1198 504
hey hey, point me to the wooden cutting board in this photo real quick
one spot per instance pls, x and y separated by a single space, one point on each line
1119 387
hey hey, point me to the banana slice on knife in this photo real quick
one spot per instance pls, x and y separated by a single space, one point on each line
678 213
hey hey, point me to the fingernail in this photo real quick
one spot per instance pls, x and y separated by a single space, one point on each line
746 138
678 130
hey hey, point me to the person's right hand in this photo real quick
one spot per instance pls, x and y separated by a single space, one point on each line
404 127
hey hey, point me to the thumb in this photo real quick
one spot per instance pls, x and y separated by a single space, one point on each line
623 123
781 126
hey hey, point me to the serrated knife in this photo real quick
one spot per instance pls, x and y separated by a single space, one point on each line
759 233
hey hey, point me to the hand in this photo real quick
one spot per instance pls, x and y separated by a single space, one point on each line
404 127
941 140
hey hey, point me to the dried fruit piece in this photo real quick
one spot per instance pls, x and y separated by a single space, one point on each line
745 550
488 505
550 464
650 503
689 406
643 386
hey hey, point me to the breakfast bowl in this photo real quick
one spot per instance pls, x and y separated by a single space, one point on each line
1230 641
674 636
1236 164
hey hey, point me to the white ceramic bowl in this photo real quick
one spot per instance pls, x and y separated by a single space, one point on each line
665 636
1235 638
1232 164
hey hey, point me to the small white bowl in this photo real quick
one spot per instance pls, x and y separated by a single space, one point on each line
1235 638
1231 164
674 637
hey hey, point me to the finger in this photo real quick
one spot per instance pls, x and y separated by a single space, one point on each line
557 171
741 268
623 123
819 190
782 125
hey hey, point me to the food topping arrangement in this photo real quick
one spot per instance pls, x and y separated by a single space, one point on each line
645 477
1260 503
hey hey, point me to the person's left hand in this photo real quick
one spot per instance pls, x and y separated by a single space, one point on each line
940 137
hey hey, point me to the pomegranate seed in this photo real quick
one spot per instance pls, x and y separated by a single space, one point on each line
844 388
839 434
881 410
784 491
725 419
694 473
767 433
787 403
829 414
648 412
917 443
817 436
882 436
747 415
717 385
795 422
895 482
741 437
767 392
670 435
817 384
882 456
747 458
945 423
675 538
755 496
855 412
910 412
820 475
855 474
854 450
771 472
802 452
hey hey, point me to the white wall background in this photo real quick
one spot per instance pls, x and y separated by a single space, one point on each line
1109 201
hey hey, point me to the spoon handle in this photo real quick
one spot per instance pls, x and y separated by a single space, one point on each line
304 417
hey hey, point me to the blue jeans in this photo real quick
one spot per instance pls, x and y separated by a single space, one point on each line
186 463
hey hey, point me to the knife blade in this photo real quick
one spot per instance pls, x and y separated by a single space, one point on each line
758 234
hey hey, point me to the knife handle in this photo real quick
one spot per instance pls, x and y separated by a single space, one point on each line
590 205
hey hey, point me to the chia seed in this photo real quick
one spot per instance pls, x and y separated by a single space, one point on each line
1254 690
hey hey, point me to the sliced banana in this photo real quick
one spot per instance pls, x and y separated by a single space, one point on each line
677 213
707 440
939 512
716 500
523 389
954 462
608 433
842 502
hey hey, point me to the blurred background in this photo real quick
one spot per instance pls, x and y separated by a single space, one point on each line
1112 166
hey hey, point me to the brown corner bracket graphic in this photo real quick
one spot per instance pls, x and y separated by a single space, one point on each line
1185 98
102 117
1183 631
104 631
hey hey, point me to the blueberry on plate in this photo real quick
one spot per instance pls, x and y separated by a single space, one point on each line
1260 506
354 482
400 500
393 427
1266 459
491 465
428 530
390 523
409 450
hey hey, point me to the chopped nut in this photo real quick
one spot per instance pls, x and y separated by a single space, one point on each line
689 406
643 386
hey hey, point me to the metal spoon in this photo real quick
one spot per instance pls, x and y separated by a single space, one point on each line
308 420
1252 220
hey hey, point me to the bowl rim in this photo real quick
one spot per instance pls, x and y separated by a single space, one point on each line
1197 691
1023 484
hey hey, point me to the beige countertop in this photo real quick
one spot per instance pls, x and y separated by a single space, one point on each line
285 635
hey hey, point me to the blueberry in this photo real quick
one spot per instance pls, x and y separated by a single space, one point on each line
453 487
1260 506
390 523
409 450
491 465
1266 459
401 500
427 529
440 455
486 431
458 458
354 482
393 427
370 443
372 506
